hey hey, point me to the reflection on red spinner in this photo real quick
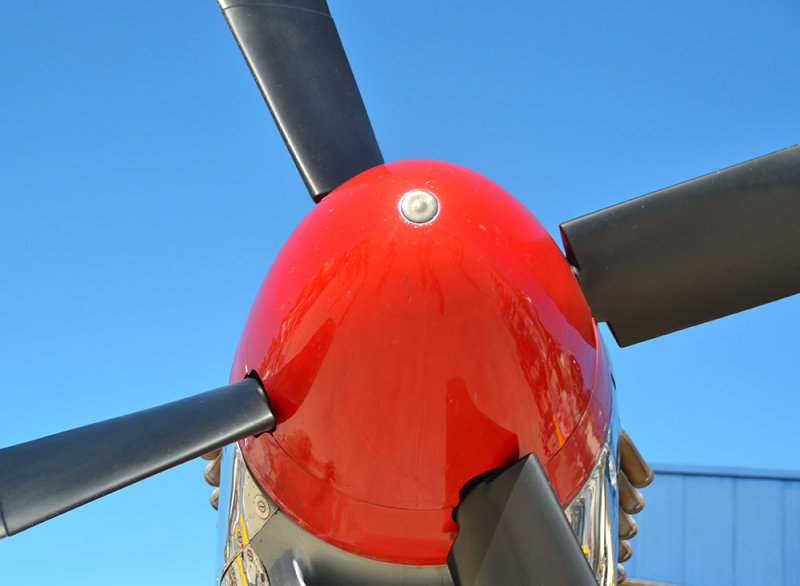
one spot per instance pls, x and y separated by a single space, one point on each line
403 359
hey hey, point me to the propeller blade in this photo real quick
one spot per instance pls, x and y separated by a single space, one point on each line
693 252
299 64
512 531
49 476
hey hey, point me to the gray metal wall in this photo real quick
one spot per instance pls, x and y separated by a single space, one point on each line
717 526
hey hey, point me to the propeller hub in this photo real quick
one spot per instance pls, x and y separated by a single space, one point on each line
406 353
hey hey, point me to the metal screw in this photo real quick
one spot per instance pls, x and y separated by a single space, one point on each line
262 506
419 206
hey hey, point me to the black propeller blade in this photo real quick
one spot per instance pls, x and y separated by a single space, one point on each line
297 59
49 476
513 531
694 252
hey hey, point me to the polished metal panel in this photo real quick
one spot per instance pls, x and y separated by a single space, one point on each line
593 513
293 556
246 513
245 569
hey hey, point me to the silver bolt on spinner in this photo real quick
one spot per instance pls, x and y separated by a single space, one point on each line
419 206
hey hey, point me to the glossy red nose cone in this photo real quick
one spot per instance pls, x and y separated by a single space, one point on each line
403 359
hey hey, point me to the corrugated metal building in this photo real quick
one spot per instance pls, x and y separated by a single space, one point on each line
707 526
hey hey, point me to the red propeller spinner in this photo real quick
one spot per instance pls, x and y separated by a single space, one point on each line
418 329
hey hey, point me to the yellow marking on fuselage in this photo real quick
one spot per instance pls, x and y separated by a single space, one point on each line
245 538
240 565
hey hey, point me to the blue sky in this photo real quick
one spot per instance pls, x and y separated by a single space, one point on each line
144 192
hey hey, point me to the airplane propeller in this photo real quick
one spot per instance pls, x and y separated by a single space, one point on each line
691 253
298 61
52 475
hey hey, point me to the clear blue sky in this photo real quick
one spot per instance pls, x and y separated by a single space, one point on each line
144 192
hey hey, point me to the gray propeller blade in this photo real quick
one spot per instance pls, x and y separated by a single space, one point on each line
49 476
694 252
297 59
513 531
